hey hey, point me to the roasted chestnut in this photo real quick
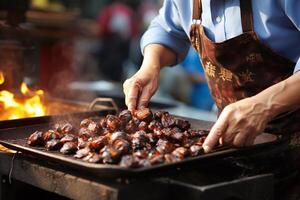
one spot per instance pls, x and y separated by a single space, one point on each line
98 143
113 123
69 148
82 152
137 139
53 145
196 150
167 120
143 114
110 155
36 139
52 135
129 161
182 124
123 146
119 135
68 138
125 116
85 123
164 146
180 152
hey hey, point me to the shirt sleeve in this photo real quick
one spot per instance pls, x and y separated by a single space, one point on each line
297 67
291 8
166 29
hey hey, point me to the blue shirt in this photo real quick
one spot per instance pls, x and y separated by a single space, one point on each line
276 22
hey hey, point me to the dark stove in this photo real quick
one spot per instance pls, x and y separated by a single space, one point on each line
259 173
265 175
262 173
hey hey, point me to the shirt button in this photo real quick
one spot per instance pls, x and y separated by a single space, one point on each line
218 19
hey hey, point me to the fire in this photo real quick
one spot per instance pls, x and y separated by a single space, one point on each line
1 78
24 88
30 103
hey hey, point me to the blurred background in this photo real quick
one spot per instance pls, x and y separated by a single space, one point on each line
81 49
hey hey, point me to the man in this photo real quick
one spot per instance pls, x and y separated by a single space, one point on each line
250 52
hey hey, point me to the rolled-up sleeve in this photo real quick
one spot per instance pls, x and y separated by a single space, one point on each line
297 67
166 29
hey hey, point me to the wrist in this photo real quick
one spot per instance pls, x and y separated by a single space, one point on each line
267 107
159 55
151 66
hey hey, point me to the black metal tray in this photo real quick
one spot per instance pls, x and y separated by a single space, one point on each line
15 138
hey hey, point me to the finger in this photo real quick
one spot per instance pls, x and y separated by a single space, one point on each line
132 97
228 136
250 140
240 139
125 90
144 98
221 141
215 133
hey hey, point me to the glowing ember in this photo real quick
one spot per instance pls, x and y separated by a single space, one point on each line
1 78
29 105
24 88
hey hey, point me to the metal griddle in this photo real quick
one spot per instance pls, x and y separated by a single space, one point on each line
15 138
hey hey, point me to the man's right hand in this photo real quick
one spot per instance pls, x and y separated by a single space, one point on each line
141 87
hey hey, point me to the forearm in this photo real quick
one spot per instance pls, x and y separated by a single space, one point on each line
157 56
281 97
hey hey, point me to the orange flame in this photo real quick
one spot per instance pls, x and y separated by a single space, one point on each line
1 78
30 105
24 88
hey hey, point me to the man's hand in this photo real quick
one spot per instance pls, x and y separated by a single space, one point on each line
238 124
140 87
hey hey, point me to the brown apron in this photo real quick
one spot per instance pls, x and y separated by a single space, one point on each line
242 67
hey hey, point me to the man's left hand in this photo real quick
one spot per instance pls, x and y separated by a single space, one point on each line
238 124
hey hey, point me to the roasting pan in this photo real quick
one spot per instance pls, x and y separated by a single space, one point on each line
15 138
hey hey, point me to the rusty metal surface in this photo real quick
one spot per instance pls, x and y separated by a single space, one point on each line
52 180
77 186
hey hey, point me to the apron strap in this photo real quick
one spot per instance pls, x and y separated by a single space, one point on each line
197 9
246 14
